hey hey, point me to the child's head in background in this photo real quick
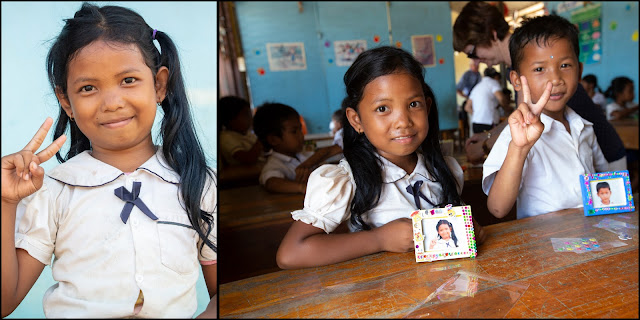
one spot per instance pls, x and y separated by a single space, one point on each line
604 192
545 49
109 79
391 111
234 113
336 121
279 128
590 83
621 90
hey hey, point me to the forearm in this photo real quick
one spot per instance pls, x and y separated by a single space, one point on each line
249 156
211 312
505 187
285 186
320 155
9 259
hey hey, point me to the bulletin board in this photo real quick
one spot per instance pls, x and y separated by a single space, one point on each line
589 22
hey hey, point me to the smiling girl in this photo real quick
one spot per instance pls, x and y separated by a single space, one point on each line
128 235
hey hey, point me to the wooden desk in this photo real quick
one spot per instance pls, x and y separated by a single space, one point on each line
627 129
239 175
600 284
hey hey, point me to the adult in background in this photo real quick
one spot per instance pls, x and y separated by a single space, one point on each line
481 32
484 101
468 80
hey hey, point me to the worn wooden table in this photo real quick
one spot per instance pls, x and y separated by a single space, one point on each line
537 282
627 129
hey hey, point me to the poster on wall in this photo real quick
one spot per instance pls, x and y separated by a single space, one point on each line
589 22
424 50
348 50
286 56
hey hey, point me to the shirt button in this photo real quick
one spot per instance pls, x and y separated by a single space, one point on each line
139 278
134 222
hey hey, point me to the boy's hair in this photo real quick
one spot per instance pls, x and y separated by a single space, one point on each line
601 185
617 86
491 72
339 115
180 145
269 119
542 30
361 154
228 108
453 234
476 23
591 79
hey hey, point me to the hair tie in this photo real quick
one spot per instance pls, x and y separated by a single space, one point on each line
153 37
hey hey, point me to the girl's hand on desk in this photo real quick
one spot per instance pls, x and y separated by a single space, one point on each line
21 171
302 174
524 122
396 236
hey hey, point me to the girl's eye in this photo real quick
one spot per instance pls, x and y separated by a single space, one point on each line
414 104
382 108
86 88
129 80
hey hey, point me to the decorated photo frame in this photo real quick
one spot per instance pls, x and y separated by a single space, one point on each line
606 193
443 233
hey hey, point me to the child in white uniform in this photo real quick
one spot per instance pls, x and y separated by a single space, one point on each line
446 239
128 236
393 165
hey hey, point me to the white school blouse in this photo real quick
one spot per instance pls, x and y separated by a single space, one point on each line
551 172
101 263
331 188
280 165
232 142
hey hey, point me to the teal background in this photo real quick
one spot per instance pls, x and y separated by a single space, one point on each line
27 99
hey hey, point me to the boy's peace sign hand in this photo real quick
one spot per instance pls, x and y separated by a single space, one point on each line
524 122
21 171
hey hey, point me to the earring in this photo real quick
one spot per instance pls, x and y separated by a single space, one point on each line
159 104
71 119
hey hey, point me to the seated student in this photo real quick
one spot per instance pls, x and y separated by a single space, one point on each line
603 190
548 145
590 84
237 144
336 126
287 168
621 91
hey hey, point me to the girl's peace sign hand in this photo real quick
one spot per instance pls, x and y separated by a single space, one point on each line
524 122
21 171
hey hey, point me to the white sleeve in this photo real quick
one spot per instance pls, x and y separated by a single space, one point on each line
495 159
611 107
209 204
327 202
599 161
270 170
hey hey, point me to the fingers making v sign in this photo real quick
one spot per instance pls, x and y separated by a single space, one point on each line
524 122
21 171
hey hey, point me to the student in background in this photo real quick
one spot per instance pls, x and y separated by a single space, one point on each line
546 148
590 84
484 101
481 32
392 154
237 144
468 80
621 92
287 168
336 126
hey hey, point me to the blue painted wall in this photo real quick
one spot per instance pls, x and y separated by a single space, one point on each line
318 91
619 49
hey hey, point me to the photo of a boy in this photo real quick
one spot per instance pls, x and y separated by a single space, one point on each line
604 195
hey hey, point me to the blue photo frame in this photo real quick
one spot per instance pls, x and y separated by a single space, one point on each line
595 188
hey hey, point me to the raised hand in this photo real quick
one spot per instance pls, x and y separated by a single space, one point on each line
524 122
21 171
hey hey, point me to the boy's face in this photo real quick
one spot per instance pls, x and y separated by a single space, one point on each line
292 140
242 122
604 194
554 62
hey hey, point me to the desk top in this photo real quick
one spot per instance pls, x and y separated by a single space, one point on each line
240 206
627 129
547 283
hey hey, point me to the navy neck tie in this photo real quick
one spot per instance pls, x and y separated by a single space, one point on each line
415 191
131 200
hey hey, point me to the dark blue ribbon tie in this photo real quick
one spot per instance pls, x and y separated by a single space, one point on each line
131 200
415 191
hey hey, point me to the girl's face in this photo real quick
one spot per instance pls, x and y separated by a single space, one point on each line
444 231
627 94
112 95
243 121
393 114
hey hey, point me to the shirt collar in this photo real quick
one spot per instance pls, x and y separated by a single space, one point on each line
282 157
83 170
392 173
575 121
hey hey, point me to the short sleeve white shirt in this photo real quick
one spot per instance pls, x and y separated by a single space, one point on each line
484 101
331 188
600 101
101 263
613 106
279 165
552 169
232 142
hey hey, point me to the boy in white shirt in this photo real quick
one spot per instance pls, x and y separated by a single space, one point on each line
287 169
603 191
540 158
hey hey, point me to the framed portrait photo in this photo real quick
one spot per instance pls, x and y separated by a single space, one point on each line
443 233
606 193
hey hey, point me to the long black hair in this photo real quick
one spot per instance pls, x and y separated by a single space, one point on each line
592 79
180 145
361 154
617 87
453 233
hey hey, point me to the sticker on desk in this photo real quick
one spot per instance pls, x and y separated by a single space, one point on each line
621 228
576 245
606 193
443 233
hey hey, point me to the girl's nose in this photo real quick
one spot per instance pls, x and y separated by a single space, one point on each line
112 101
403 119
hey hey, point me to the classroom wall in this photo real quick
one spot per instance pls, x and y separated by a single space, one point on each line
619 41
318 91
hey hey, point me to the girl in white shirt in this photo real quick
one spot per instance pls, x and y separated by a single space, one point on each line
127 235
621 92
393 166
446 238
590 84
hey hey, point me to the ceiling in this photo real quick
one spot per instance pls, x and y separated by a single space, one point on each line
511 5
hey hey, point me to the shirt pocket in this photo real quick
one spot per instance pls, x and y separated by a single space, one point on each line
178 244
